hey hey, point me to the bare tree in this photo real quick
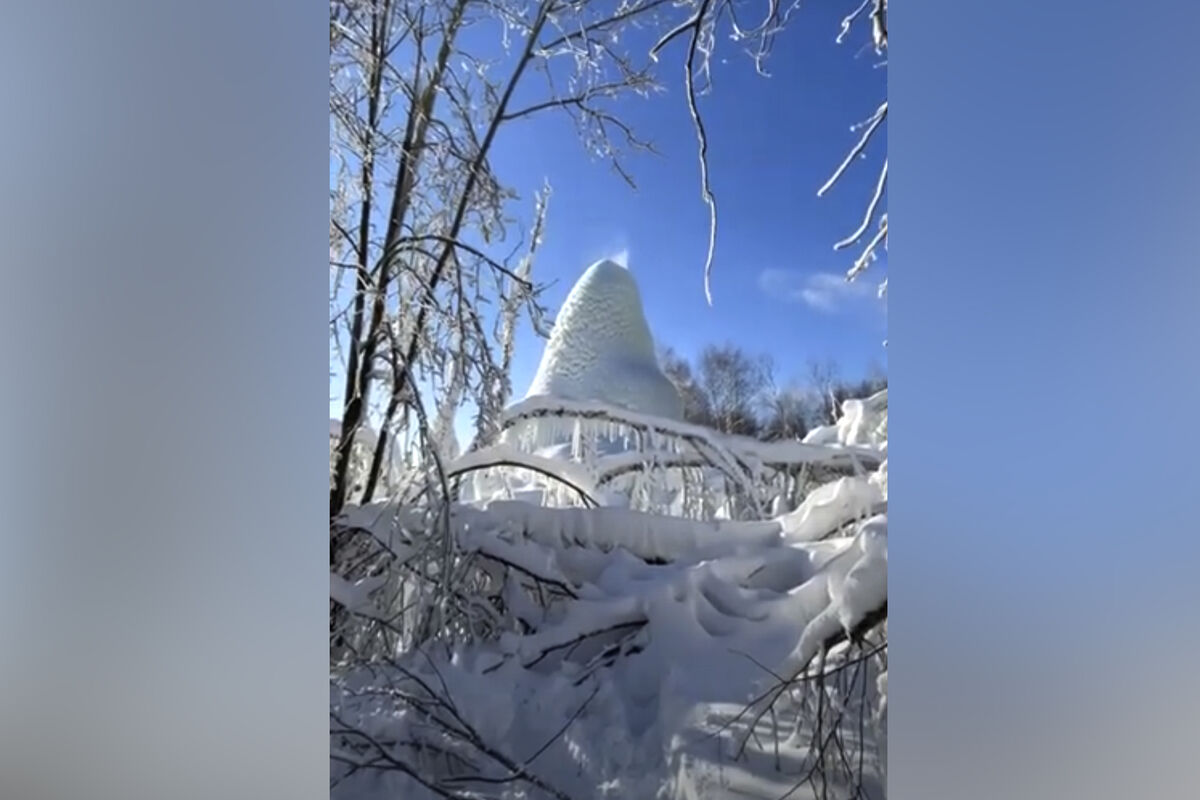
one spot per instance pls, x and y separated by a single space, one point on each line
735 385
785 414
823 382
430 264
828 390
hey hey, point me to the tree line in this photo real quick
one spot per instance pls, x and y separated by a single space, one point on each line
733 391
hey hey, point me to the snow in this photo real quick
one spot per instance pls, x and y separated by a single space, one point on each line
622 648
648 536
601 348
356 596
831 506
562 472
665 638
630 459
862 422
855 583
543 409
692 632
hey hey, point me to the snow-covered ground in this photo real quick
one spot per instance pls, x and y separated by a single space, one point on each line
633 607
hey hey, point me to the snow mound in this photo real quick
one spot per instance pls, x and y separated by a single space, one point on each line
863 422
830 506
601 348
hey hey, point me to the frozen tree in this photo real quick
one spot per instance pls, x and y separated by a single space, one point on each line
421 226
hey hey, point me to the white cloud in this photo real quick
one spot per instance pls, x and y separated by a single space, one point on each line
827 292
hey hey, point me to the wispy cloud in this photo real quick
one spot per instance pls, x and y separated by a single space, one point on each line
827 292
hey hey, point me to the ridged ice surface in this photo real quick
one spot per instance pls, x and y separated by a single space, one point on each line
601 348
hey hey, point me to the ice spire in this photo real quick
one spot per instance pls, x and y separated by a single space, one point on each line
601 348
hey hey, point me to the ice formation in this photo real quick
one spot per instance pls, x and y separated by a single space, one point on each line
601 348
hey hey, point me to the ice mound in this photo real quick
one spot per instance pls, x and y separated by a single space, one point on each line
601 348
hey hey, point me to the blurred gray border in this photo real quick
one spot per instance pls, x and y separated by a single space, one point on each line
1042 349
162 581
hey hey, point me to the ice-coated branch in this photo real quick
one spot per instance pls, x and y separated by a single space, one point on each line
702 151
579 100
475 251
385 759
872 124
868 254
628 12
848 21
696 25
654 537
501 456
455 729
870 213
740 448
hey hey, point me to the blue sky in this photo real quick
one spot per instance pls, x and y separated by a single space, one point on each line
773 141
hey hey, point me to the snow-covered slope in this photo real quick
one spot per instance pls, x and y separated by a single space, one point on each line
601 348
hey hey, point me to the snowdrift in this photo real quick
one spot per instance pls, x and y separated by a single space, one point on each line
600 637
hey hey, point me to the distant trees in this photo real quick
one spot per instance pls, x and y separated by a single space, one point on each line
735 392
829 390
786 414
735 385
725 390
